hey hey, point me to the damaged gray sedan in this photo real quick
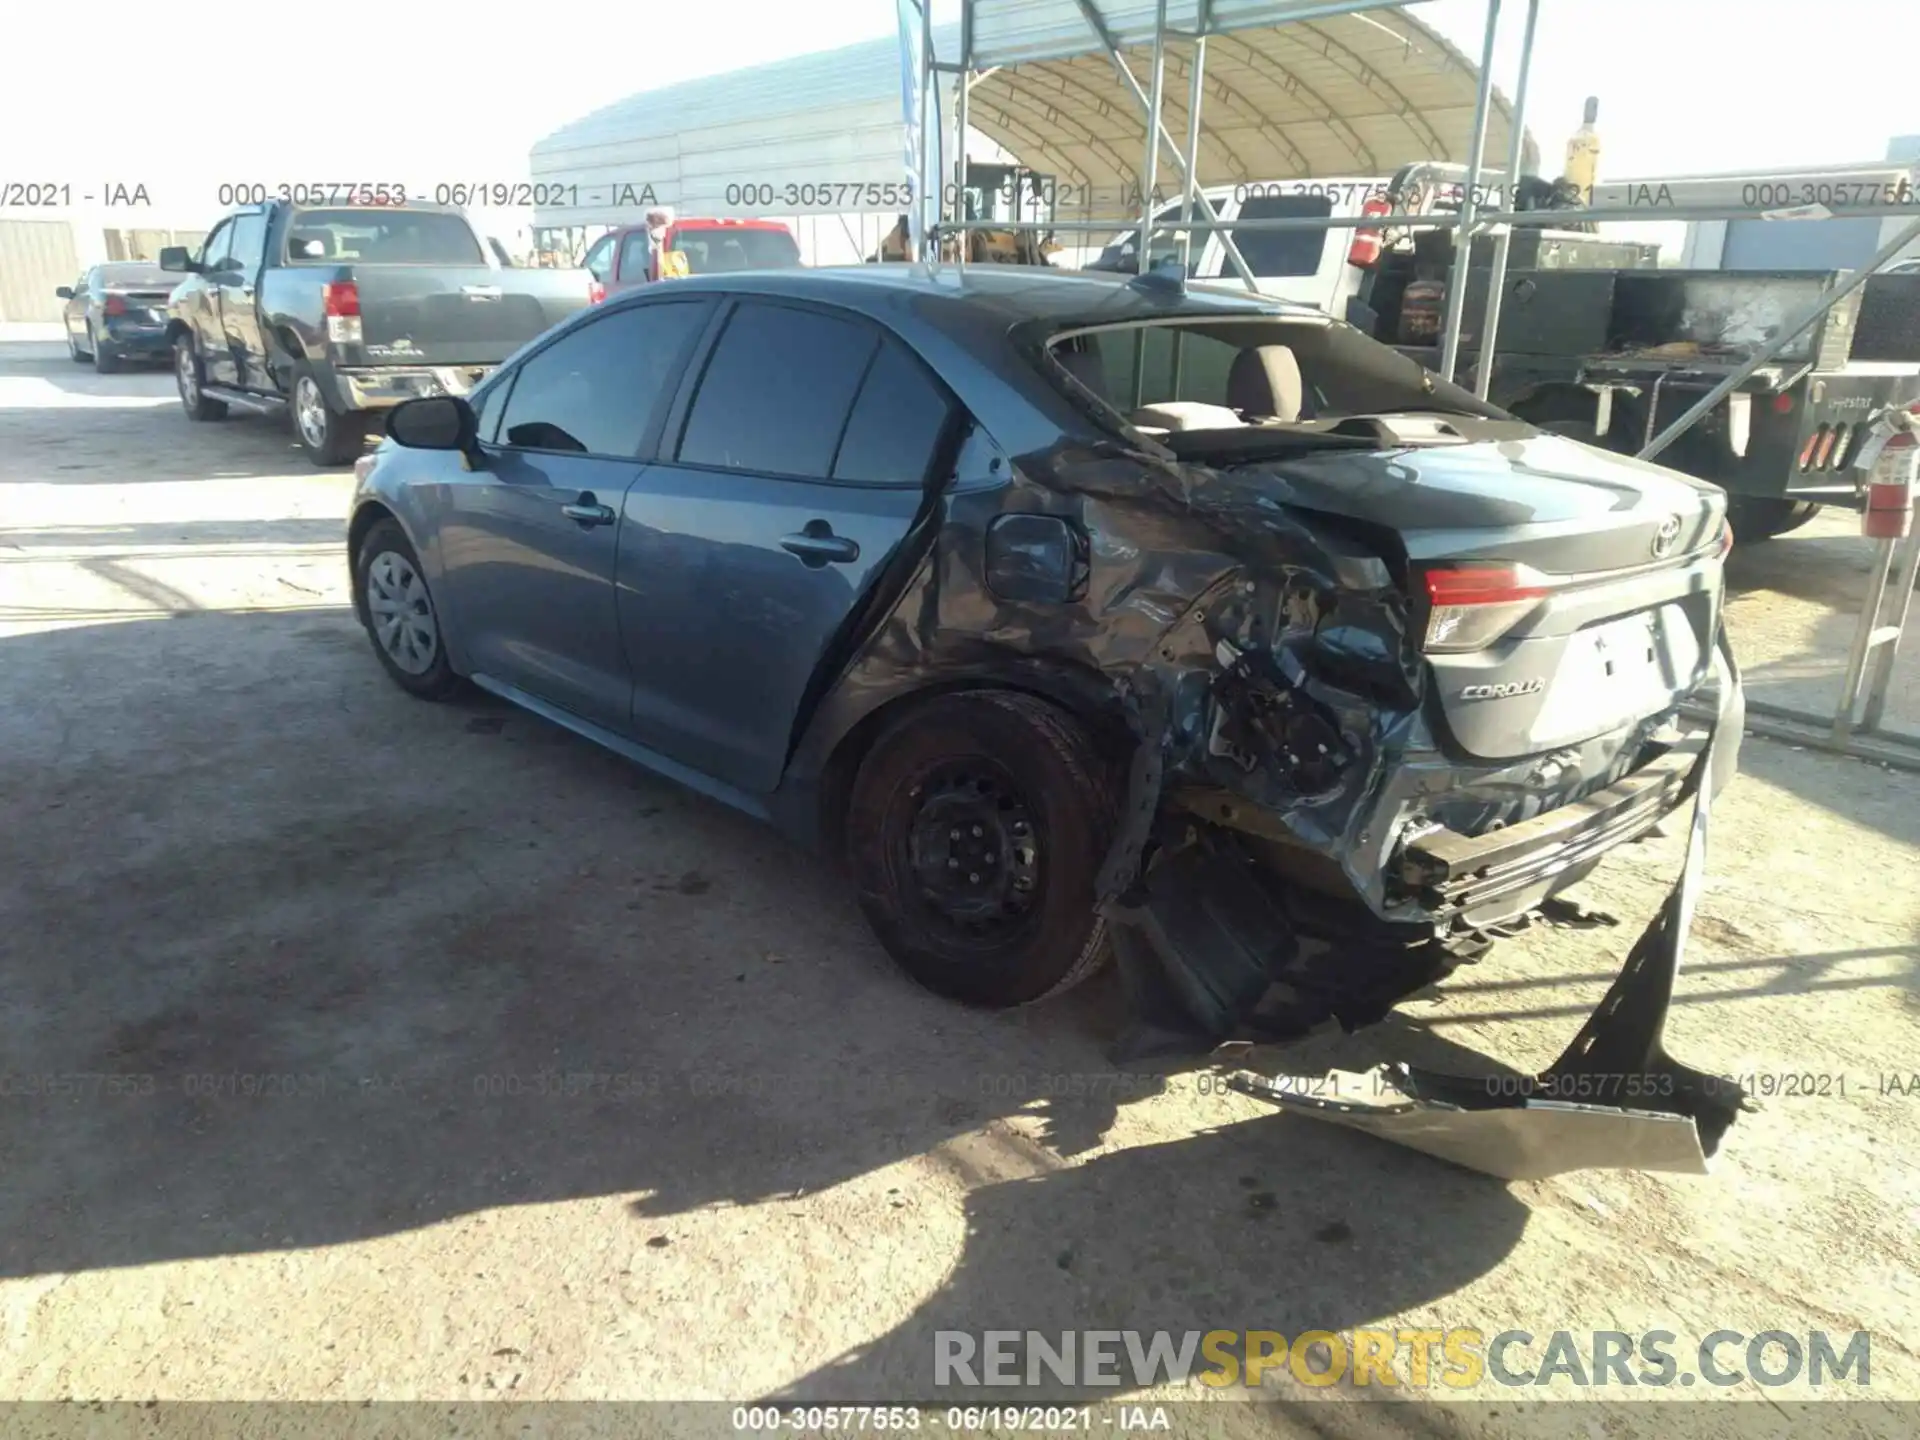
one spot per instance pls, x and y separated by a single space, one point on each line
1084 618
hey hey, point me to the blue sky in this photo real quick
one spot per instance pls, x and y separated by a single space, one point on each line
440 94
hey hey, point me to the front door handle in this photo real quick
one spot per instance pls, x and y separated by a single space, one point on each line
588 511
817 545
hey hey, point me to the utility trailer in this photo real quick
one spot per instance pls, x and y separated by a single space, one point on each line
1613 355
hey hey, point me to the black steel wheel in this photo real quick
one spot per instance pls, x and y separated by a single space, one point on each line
976 827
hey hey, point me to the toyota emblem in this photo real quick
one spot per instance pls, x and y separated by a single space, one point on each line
1665 536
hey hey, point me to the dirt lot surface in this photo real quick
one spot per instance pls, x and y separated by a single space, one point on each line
302 954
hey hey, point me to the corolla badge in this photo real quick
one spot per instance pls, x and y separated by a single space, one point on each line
1503 691
1666 537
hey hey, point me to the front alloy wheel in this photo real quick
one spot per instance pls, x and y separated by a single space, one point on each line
327 435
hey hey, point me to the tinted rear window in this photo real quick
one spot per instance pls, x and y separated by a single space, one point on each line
777 392
720 249
381 237
137 277
896 423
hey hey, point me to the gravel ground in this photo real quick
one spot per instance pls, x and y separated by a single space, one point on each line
233 850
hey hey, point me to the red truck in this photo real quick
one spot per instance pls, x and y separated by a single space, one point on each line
621 259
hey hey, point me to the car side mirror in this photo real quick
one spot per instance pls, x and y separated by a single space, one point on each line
435 422
176 258
65 292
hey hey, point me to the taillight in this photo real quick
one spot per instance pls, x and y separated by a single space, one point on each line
114 306
340 301
340 297
596 292
1474 603
1783 403
1823 452
1364 252
1812 445
1726 538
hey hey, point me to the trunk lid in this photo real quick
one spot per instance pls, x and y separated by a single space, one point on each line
1619 623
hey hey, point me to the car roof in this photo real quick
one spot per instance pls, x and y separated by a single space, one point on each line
1019 293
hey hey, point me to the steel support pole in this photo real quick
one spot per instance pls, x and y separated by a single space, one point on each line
1191 164
1882 678
1099 27
1463 230
1516 153
1150 166
930 119
1786 336
963 83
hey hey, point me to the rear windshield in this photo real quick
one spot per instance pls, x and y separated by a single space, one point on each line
137 277
721 249
381 237
1295 370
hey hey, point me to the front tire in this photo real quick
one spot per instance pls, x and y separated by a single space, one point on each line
976 828
190 377
327 435
391 597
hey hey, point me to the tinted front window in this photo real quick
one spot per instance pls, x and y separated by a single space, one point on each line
598 259
1283 252
776 394
896 423
381 237
248 245
594 390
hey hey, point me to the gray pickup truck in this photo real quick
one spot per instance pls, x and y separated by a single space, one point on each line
337 313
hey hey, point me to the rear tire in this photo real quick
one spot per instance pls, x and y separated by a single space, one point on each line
976 828
189 377
1766 517
329 436
105 360
1559 413
391 597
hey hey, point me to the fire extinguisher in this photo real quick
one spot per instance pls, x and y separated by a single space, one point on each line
1364 252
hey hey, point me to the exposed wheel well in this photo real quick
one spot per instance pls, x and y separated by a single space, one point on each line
364 519
1105 725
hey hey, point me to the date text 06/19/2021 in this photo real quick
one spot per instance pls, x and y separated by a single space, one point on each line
951 1419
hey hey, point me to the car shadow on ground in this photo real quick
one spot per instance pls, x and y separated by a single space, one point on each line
296 961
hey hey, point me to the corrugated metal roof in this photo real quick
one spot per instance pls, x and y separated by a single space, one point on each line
1346 95
1338 95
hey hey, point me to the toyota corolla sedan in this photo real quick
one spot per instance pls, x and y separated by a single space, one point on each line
1076 614
118 312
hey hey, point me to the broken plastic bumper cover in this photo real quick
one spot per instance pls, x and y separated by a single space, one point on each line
1613 1100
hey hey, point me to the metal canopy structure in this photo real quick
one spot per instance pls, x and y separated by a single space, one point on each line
1287 91
1020 51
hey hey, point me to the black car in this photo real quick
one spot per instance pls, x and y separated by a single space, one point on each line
1066 608
117 312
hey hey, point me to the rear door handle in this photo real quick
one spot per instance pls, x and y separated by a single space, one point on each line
817 545
588 511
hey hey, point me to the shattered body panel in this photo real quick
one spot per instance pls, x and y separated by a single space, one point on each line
1294 779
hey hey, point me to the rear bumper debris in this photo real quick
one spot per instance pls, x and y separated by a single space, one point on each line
1613 1100
1211 949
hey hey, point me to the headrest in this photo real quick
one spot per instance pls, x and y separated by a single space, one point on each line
1265 383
